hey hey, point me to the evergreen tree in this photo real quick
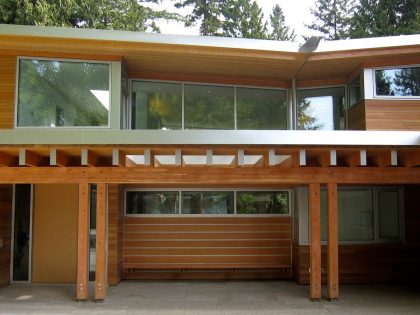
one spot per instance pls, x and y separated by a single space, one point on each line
332 18
133 15
244 18
210 12
280 31
385 18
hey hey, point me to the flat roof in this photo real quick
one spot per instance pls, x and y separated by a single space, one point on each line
207 41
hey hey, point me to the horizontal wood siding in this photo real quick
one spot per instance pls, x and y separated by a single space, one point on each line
7 91
357 116
207 248
392 114
373 263
6 192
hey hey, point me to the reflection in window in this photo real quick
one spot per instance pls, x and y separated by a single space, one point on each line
209 107
262 202
388 215
152 202
321 109
261 109
398 82
156 105
22 233
207 202
355 91
355 215
62 94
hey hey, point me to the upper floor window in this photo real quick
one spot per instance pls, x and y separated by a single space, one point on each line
355 90
321 109
173 105
399 82
54 93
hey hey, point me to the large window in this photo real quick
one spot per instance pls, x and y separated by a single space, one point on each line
207 202
261 109
365 214
55 93
176 105
399 82
156 105
321 109
355 91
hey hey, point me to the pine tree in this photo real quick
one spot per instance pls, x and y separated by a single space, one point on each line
385 18
280 31
210 12
244 18
332 18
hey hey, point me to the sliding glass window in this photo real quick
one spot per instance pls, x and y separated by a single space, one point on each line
175 105
261 109
207 202
54 93
321 109
398 82
156 105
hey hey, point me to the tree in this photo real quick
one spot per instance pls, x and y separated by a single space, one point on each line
332 18
280 31
385 18
244 18
209 11
133 15
307 121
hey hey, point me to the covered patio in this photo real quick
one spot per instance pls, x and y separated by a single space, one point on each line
201 297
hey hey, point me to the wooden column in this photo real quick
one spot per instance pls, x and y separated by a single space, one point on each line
101 214
332 234
315 240
82 292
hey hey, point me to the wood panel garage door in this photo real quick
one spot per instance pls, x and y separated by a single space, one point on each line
207 247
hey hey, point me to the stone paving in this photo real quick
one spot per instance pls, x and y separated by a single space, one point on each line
210 298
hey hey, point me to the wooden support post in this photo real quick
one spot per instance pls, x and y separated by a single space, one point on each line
332 239
101 252
315 241
82 292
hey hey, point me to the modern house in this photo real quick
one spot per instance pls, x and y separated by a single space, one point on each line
126 155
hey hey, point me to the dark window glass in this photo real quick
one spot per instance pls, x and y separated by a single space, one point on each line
262 202
209 107
355 91
22 233
207 202
152 202
62 94
398 82
321 109
259 109
388 215
156 105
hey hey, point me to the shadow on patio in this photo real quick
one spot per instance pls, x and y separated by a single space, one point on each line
198 297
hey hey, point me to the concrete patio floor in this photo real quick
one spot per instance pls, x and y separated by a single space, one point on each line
205 298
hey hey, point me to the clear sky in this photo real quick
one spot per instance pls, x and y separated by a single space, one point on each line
297 13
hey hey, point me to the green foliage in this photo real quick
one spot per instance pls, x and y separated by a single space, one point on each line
332 18
262 203
130 15
280 31
307 121
244 18
385 18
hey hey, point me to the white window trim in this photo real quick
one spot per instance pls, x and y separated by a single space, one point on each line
186 189
19 58
390 97
234 86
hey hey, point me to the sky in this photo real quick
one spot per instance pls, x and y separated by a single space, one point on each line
297 12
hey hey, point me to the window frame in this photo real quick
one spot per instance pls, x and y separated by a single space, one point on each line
375 211
391 97
187 189
19 58
346 101
183 83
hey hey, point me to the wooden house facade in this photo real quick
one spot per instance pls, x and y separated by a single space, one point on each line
146 156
